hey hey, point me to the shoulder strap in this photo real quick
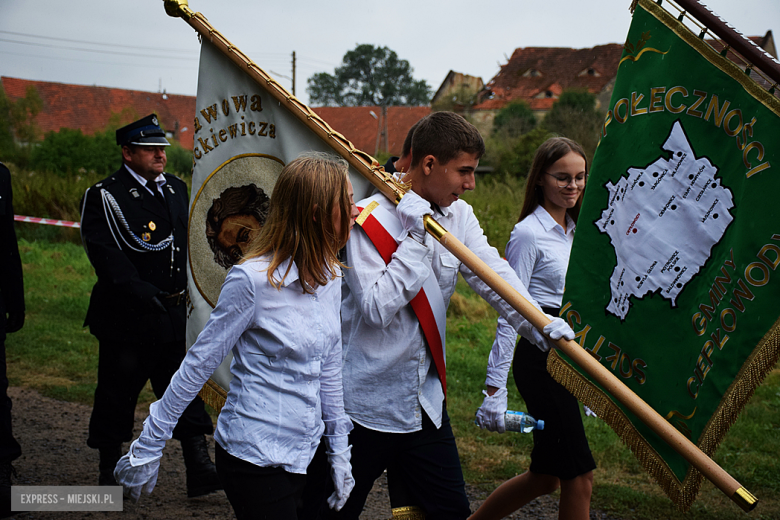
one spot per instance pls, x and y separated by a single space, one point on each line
382 227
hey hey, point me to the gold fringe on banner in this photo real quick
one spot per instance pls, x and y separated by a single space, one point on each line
408 513
213 395
750 376
682 494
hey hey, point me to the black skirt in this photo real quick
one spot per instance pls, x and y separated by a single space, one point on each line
561 449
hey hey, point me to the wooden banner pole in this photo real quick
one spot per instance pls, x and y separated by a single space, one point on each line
369 168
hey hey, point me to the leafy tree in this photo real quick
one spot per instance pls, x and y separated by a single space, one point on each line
7 144
369 76
514 120
23 114
514 156
70 151
179 160
574 115
17 124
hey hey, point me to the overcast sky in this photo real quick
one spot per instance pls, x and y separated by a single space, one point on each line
135 45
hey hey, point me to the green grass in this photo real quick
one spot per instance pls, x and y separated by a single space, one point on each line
53 353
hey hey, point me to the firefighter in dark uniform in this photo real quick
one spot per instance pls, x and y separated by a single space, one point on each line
134 230
11 320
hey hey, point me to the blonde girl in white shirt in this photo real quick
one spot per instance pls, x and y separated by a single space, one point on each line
278 312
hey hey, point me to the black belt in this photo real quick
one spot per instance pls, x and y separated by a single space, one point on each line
175 299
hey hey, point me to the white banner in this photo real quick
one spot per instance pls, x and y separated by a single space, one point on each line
243 138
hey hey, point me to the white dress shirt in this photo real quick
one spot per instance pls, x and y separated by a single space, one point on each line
538 251
286 367
159 181
389 377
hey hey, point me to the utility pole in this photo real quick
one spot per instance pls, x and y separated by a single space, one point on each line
293 71
384 128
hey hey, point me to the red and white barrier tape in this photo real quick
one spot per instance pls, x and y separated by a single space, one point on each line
47 221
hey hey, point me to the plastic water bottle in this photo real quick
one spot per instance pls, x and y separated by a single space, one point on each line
521 422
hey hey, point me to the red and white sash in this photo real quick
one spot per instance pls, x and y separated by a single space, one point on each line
383 227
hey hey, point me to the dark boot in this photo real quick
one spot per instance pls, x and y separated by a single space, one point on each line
6 470
202 477
108 459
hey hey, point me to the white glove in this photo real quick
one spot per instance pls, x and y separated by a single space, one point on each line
341 473
556 329
138 474
137 470
410 212
491 414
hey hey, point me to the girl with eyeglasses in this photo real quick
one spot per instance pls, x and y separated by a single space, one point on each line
538 250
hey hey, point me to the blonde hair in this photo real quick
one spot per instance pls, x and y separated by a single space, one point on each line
300 221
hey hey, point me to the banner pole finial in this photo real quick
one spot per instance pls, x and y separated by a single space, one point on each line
178 9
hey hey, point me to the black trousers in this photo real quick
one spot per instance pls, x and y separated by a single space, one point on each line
425 461
561 449
259 493
123 370
9 448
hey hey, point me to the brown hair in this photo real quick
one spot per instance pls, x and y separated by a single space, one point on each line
445 135
407 147
548 152
300 222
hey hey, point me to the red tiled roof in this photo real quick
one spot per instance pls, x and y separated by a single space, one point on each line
359 126
88 108
532 71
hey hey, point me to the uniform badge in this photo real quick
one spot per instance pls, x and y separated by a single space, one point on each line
152 225
146 237
170 188
154 120
134 193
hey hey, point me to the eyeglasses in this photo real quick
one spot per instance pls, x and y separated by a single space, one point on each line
564 180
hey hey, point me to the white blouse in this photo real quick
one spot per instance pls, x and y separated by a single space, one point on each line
286 387
538 251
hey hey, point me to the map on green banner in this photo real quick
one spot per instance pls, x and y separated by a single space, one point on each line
673 281
663 221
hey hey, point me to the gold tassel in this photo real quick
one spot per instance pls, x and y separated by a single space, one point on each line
408 513
682 494
213 395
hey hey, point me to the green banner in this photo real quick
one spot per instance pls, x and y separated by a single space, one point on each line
673 282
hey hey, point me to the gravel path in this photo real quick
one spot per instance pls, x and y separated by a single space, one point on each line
54 452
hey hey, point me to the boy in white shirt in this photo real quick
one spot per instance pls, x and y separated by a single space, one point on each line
393 374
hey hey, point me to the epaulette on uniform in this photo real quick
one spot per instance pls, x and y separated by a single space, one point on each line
105 183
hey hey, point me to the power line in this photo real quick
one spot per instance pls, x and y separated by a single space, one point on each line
102 44
35 44
56 58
